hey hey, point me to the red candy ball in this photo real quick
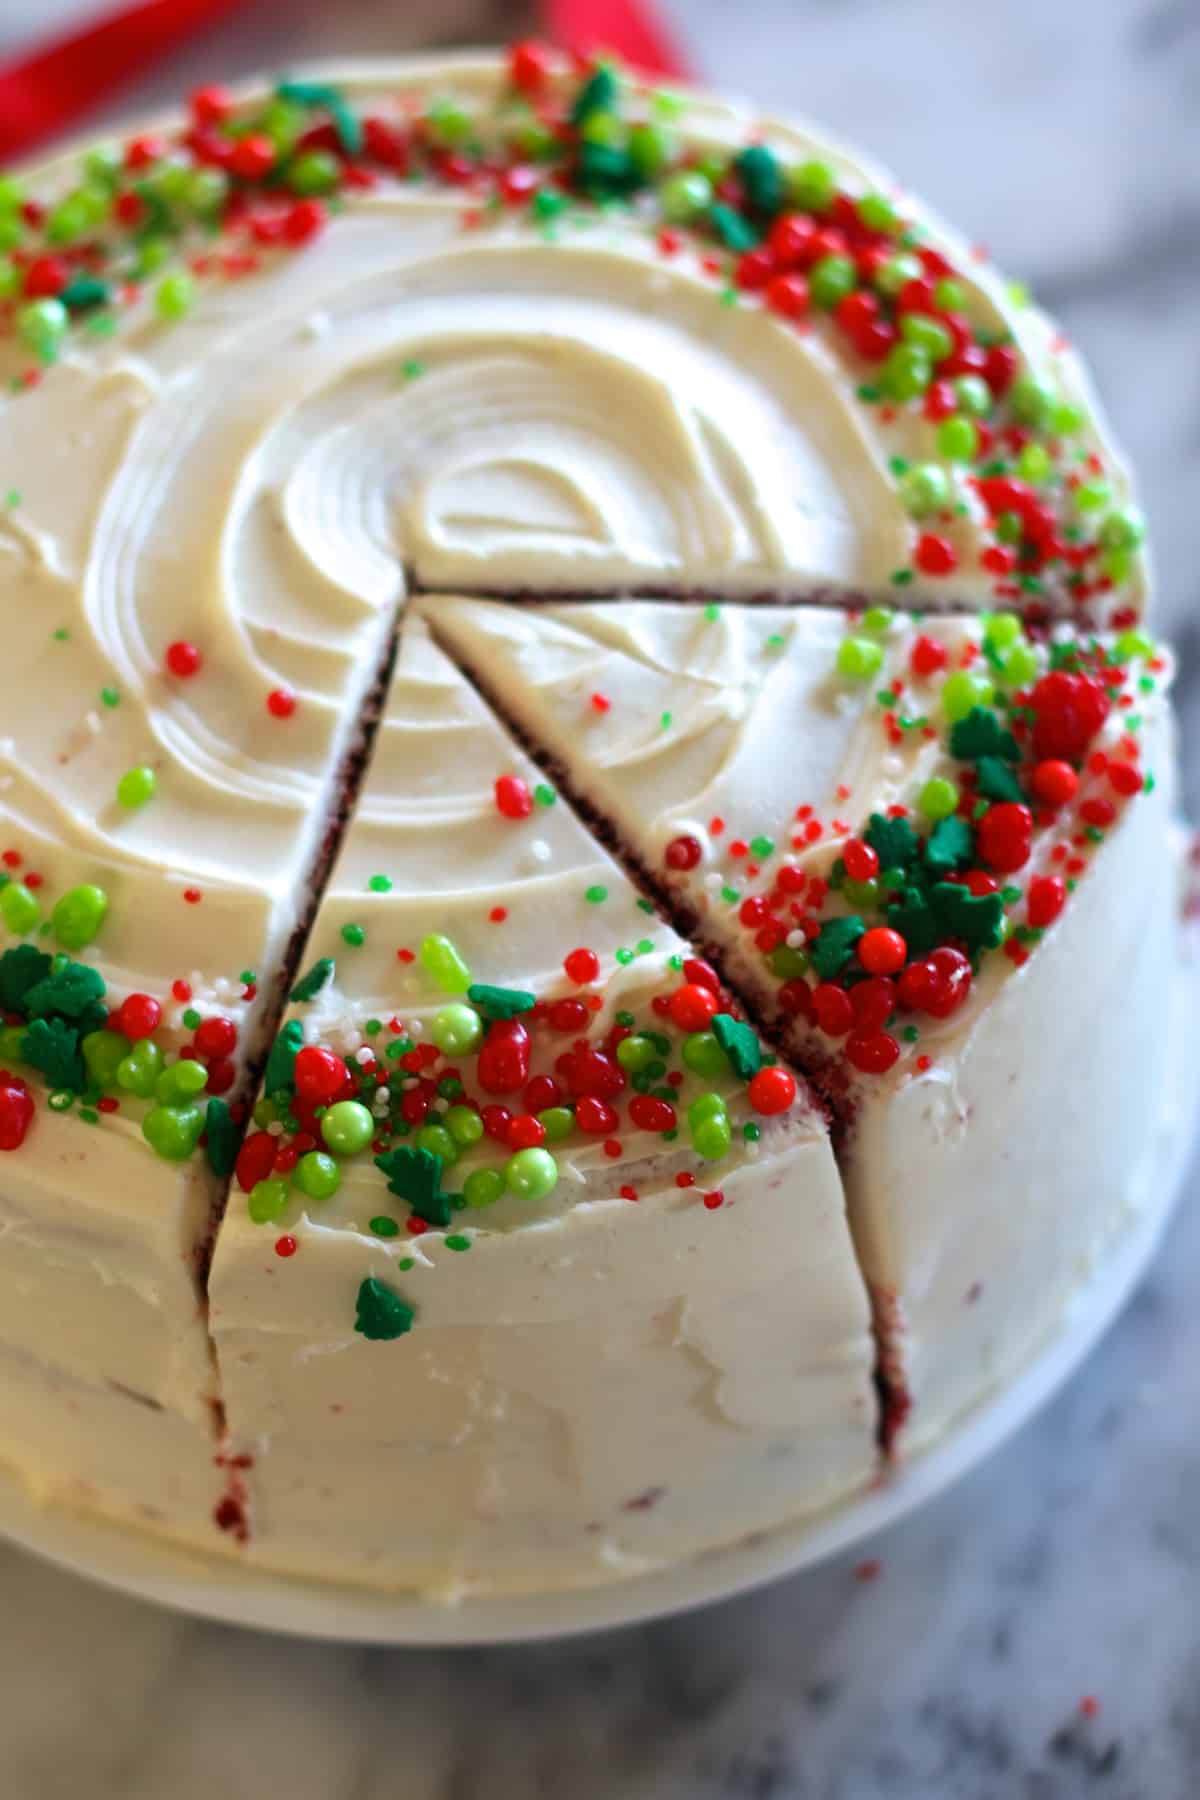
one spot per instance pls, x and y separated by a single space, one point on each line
215 1038
513 798
319 1074
16 1111
1069 710
872 1053
772 1091
862 862
938 985
1005 836
683 853
138 1016
183 659
928 656
1045 899
692 1006
1055 783
582 966
882 951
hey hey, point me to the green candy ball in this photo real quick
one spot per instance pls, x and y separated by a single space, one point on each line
531 1173
464 1125
925 489
703 1055
174 296
18 908
456 1029
318 1175
685 196
483 1187
173 1131
347 1128
78 915
439 1142
316 172
557 1122
634 1052
962 691
712 1138
138 1072
267 1200
859 658
831 279
103 1053
136 787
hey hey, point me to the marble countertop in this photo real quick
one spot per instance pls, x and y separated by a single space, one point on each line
1031 1635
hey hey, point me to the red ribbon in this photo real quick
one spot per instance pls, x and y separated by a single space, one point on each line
49 90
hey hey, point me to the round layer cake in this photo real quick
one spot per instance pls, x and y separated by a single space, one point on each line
588 893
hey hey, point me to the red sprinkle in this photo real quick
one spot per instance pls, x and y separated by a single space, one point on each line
286 1246
281 703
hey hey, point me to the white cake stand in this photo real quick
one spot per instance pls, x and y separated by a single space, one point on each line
215 1588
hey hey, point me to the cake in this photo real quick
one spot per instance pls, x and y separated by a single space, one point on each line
588 899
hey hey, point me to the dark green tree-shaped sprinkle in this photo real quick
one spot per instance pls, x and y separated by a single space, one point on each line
739 1043
949 845
21 968
830 949
73 991
380 1313
982 734
416 1176
500 1002
893 840
310 984
52 1046
998 781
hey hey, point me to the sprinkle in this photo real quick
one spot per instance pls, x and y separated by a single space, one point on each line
354 935
109 696
281 703
380 884
286 1246
595 895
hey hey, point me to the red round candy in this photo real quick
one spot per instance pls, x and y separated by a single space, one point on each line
588 1070
221 1076
16 1111
215 1038
873 1002
319 1074
872 1053
692 1006
772 1091
1054 782
862 862
568 1014
753 269
1045 899
1126 778
253 156
1098 811
503 1066
882 951
138 1016
281 704
1005 835
696 970
787 295
211 104
795 998
46 277
651 1114
525 1132
595 1116
928 656
183 659
513 798
541 1092
683 853
496 1121
255 1160
582 966
1069 710
791 239
530 65
832 1009
935 555
303 220
938 985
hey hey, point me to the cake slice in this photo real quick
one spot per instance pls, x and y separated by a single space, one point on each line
536 1271
934 855
180 694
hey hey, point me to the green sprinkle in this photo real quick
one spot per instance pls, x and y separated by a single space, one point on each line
136 787
191 1018
310 985
595 895
712 611
459 1241
762 847
731 895
354 935
380 1313
411 367
544 795
384 1227
665 721
380 884
109 697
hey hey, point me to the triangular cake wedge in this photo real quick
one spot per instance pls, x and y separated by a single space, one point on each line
626 1316
179 693
827 801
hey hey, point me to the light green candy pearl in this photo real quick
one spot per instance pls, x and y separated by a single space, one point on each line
456 1029
483 1187
938 798
347 1128
180 1082
439 1142
1020 666
173 1131
1002 629
441 961
925 489
557 1122
267 1200
464 1125
859 658
685 196
962 691
138 1072
317 1175
78 915
18 907
703 1055
103 1054
634 1052
531 1173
